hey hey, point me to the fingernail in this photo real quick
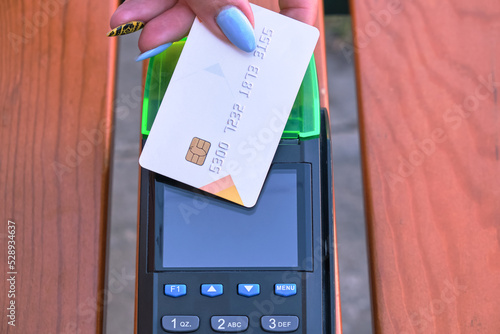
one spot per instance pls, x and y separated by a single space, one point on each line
126 28
237 28
153 52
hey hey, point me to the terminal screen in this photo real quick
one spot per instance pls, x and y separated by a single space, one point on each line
204 232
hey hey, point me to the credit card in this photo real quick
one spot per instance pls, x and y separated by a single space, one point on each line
224 111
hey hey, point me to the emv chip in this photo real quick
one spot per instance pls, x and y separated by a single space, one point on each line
198 150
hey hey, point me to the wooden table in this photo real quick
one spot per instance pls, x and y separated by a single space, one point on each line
428 80
56 94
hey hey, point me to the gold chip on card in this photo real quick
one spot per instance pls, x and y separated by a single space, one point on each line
198 150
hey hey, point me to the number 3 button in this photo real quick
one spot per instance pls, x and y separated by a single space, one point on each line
281 323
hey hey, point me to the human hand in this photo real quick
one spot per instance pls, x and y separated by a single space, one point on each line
166 21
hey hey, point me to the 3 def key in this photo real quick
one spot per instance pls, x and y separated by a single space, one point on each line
279 324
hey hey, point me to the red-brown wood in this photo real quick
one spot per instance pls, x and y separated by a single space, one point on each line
428 80
56 88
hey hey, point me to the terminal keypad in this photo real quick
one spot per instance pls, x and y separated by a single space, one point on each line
229 323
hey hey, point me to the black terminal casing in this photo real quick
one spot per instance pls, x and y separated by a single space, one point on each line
314 303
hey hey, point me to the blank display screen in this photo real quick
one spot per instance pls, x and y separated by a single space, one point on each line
203 232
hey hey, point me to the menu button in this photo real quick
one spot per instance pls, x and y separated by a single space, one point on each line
285 289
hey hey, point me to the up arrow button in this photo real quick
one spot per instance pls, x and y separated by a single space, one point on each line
248 290
212 290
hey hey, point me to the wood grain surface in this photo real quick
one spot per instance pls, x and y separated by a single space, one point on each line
56 88
428 81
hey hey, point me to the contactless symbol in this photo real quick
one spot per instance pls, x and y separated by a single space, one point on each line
198 150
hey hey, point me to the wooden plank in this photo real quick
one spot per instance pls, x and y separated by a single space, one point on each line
56 87
428 85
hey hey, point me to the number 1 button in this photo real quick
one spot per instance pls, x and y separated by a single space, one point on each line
180 323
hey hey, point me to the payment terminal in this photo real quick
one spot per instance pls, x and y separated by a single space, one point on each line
206 265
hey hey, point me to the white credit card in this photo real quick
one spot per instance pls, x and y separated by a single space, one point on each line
224 111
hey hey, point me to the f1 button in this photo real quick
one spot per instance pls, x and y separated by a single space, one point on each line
175 290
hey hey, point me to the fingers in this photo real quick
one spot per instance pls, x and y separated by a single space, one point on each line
228 19
169 26
302 10
170 20
139 10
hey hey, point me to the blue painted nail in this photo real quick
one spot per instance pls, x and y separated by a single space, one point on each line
153 52
237 28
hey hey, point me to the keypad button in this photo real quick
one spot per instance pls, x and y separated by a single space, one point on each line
280 323
175 290
229 324
285 289
212 290
248 290
180 323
